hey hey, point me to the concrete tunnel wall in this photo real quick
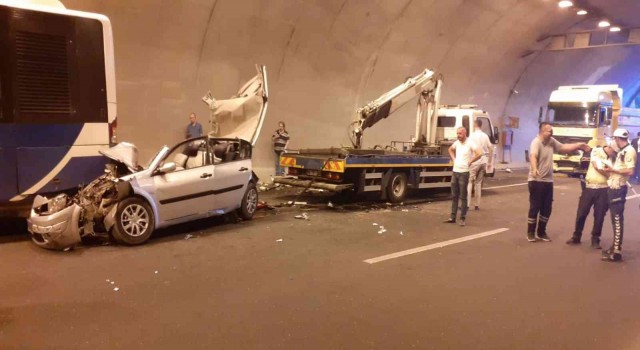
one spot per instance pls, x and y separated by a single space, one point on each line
324 58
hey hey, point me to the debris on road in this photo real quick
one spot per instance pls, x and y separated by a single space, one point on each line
375 224
302 216
116 289
156 272
508 170
382 230
264 205
299 203
401 234
330 205
189 236
279 240
405 210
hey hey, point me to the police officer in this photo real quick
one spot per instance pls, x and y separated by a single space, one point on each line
619 174
594 194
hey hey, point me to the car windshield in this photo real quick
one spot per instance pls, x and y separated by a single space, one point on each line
153 158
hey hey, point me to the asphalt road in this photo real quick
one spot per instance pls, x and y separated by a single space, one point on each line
278 282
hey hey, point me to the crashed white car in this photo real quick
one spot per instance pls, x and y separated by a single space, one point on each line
197 178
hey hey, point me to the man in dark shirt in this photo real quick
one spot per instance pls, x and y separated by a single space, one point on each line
280 140
194 129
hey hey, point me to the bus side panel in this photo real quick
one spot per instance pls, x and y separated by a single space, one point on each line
8 174
51 169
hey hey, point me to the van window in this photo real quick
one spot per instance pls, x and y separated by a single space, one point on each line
486 126
465 123
446 122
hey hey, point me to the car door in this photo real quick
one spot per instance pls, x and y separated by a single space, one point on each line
185 192
230 181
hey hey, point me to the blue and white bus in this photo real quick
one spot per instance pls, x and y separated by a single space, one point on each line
57 99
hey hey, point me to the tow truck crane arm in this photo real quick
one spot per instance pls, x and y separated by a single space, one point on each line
427 85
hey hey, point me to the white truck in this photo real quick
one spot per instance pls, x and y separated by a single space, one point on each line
586 113
451 117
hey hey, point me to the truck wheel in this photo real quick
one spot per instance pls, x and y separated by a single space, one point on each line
249 202
134 222
397 187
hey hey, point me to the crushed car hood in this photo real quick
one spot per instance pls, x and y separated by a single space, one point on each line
242 115
125 153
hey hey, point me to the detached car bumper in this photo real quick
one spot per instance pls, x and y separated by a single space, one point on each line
56 231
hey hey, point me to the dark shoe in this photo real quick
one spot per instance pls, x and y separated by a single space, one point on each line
462 222
477 208
611 255
531 237
595 243
450 221
544 237
573 240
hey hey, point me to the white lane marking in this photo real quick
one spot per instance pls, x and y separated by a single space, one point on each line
634 196
493 188
433 246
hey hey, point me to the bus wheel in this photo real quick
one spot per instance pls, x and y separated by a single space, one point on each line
397 187
134 222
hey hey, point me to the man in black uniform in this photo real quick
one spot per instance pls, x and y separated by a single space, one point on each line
618 176
594 194
636 173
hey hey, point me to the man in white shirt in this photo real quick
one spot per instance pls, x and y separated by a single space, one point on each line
463 154
479 168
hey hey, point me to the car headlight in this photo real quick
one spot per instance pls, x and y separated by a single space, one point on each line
58 203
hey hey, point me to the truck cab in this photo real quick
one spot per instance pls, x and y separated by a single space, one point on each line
451 117
585 113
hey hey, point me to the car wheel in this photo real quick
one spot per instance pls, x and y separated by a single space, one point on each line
249 202
134 222
397 187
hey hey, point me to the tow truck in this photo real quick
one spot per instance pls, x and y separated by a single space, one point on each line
421 163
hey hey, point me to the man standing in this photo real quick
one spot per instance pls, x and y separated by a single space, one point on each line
280 140
618 176
479 169
463 153
194 129
541 179
594 194
636 147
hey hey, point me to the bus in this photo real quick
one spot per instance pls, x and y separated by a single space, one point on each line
57 100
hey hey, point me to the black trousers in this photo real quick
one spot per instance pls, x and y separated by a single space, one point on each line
540 200
617 199
596 198
459 182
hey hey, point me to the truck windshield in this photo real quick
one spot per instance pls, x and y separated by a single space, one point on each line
572 115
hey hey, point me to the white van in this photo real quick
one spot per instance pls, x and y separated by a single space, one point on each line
451 117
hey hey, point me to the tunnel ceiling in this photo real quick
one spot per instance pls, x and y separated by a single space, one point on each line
324 58
621 12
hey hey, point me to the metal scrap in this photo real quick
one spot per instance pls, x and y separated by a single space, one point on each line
302 216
